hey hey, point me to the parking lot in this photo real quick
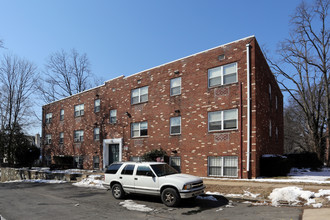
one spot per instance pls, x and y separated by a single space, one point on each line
64 201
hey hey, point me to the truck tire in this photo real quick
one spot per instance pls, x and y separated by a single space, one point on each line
117 191
170 197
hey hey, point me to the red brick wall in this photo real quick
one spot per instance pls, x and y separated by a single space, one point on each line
195 143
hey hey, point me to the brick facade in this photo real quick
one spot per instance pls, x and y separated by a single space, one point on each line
194 144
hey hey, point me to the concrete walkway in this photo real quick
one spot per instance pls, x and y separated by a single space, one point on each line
316 214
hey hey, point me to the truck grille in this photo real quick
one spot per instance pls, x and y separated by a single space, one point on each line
196 184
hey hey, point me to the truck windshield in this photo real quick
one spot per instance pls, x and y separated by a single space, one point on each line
163 169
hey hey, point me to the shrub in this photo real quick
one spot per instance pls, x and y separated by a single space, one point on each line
63 162
274 165
305 160
154 154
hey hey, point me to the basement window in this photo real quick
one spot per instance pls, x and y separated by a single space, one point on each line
175 162
226 166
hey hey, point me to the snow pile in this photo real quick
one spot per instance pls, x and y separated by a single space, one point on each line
92 181
130 205
296 196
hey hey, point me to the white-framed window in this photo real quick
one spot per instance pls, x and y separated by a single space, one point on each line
61 114
223 120
175 162
222 75
139 95
96 133
97 105
49 117
78 110
48 138
270 128
176 86
113 116
139 129
61 140
78 136
175 125
226 166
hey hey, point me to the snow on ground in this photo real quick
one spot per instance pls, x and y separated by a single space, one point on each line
131 205
295 176
92 181
35 181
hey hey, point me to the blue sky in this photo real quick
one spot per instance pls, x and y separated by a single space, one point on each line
125 37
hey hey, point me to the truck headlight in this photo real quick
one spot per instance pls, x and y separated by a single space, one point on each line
187 187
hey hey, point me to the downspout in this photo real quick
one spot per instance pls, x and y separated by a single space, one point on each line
248 107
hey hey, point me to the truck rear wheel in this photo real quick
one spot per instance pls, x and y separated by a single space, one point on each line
170 197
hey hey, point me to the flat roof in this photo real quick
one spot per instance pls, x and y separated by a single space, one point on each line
245 38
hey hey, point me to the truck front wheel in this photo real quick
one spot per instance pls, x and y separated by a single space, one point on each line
117 191
170 197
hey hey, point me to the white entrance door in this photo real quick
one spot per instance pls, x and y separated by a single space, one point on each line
112 151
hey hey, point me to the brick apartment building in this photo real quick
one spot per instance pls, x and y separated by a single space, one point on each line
195 108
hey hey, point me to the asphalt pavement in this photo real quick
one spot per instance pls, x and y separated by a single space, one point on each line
65 201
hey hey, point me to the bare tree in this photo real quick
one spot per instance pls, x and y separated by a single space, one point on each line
303 69
66 75
17 79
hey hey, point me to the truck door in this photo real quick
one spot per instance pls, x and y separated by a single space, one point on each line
146 181
127 178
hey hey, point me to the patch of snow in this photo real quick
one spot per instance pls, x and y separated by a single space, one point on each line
322 192
317 205
131 205
36 181
91 181
249 194
213 193
246 194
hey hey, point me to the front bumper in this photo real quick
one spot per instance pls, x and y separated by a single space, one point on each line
191 193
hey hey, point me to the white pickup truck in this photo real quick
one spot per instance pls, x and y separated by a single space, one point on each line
152 178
